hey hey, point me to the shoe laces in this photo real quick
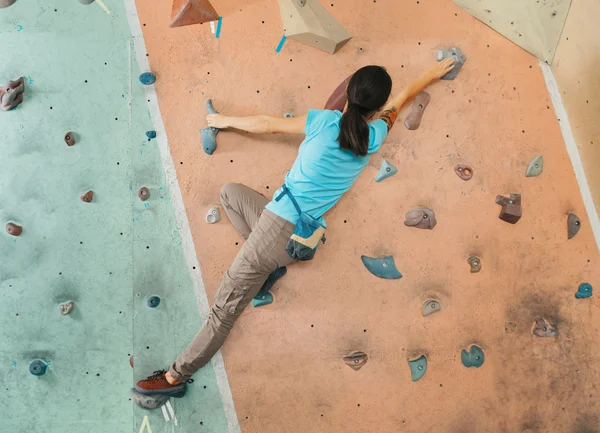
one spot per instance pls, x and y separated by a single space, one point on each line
159 375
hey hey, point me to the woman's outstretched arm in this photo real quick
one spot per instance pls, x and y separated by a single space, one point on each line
391 110
262 124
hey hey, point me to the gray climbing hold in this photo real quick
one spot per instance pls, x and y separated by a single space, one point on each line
356 360
418 367
535 167
422 218
209 135
148 401
474 357
573 225
386 170
541 328
6 3
147 78
382 267
86 2
66 307
37 367
213 215
431 306
459 61
288 115
584 291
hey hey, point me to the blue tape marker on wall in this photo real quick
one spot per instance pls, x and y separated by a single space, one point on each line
281 42
219 27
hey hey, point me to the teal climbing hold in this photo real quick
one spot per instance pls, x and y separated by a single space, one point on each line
584 291
473 358
382 267
262 300
209 135
386 170
147 78
153 301
418 367
37 367
151 134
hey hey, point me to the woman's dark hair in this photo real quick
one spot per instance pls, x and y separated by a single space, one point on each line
368 91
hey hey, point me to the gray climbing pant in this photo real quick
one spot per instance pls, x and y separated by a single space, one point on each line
266 236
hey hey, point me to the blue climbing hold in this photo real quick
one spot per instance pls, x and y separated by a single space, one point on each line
153 301
584 291
209 135
382 267
37 367
473 358
151 134
386 170
147 78
418 367
261 300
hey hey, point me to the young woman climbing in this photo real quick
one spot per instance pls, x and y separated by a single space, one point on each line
278 232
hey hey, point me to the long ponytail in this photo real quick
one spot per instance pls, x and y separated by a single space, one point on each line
368 90
354 131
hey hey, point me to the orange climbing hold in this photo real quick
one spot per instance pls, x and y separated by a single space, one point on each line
188 12
13 229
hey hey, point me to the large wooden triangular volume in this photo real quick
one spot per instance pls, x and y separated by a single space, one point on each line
188 12
308 22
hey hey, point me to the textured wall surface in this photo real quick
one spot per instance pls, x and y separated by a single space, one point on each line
533 25
109 255
576 66
284 360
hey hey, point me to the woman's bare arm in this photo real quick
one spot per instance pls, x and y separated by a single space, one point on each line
262 124
391 110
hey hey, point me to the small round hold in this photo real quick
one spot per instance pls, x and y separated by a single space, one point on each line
213 215
66 308
153 301
144 193
88 196
147 78
37 367
13 229
288 115
151 134
463 171
70 138
475 263
86 2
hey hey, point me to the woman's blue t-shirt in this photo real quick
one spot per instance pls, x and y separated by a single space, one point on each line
323 172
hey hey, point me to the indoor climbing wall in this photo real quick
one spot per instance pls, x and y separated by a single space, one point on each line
579 85
108 255
535 26
285 361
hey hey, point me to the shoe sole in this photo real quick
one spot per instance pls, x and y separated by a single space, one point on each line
171 392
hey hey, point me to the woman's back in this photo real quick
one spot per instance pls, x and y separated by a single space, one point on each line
323 171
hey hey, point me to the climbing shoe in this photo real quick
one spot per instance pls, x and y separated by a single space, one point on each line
158 384
263 296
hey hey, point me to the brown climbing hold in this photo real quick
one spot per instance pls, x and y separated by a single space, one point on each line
475 263
422 218
6 3
131 361
573 225
13 229
541 328
463 171
511 208
188 12
144 193
66 307
413 120
338 99
356 360
88 196
70 138
11 95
